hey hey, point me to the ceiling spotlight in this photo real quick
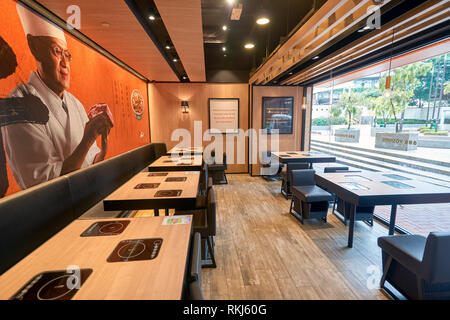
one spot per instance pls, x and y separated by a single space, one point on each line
263 20
152 17
167 47
224 48
224 28
249 45
175 60
230 2
291 73
316 57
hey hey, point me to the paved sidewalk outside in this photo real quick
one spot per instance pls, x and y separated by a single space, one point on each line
368 142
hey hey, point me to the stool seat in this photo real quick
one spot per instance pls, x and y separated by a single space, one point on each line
311 193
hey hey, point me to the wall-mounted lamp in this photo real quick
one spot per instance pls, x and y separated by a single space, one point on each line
185 106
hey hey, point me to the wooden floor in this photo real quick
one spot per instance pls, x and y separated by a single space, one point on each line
262 252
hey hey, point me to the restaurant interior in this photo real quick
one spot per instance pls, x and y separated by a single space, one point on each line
166 150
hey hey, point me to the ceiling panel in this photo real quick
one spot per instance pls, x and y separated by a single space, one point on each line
183 21
125 38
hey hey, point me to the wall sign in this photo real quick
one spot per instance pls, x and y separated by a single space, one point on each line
278 113
223 115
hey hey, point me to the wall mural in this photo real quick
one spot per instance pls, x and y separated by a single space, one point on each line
63 106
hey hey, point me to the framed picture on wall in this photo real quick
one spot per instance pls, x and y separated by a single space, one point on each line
278 113
223 115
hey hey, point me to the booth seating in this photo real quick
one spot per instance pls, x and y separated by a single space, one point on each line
308 200
286 176
30 217
194 280
217 170
417 267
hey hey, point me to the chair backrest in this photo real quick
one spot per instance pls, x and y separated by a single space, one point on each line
195 269
266 157
29 218
225 159
204 179
211 212
303 177
334 169
295 166
436 258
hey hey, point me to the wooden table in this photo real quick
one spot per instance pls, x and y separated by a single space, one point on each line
129 197
186 150
183 163
159 278
303 156
380 188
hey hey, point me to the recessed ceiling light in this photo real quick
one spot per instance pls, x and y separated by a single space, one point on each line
249 45
230 2
316 57
175 60
224 48
167 47
263 20
224 28
152 17
291 73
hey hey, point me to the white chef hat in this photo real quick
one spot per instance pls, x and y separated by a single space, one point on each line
36 25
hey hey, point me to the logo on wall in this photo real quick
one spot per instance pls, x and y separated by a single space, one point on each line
137 103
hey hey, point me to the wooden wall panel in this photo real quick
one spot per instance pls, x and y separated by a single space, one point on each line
166 114
183 20
287 142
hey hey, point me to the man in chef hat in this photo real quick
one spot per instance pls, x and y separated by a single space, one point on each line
40 152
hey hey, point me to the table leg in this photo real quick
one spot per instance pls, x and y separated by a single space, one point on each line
311 165
392 221
156 212
351 228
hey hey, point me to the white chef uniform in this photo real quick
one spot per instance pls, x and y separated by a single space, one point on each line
36 152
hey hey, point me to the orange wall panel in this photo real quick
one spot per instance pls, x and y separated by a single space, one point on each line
94 79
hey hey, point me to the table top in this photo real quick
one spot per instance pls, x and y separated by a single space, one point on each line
378 188
143 191
158 278
171 163
303 156
186 150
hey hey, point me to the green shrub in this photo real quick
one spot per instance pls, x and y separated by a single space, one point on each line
405 121
320 122
434 133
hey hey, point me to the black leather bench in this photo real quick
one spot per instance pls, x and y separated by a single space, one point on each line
32 216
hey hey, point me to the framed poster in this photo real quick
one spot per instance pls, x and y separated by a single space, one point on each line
223 115
278 113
